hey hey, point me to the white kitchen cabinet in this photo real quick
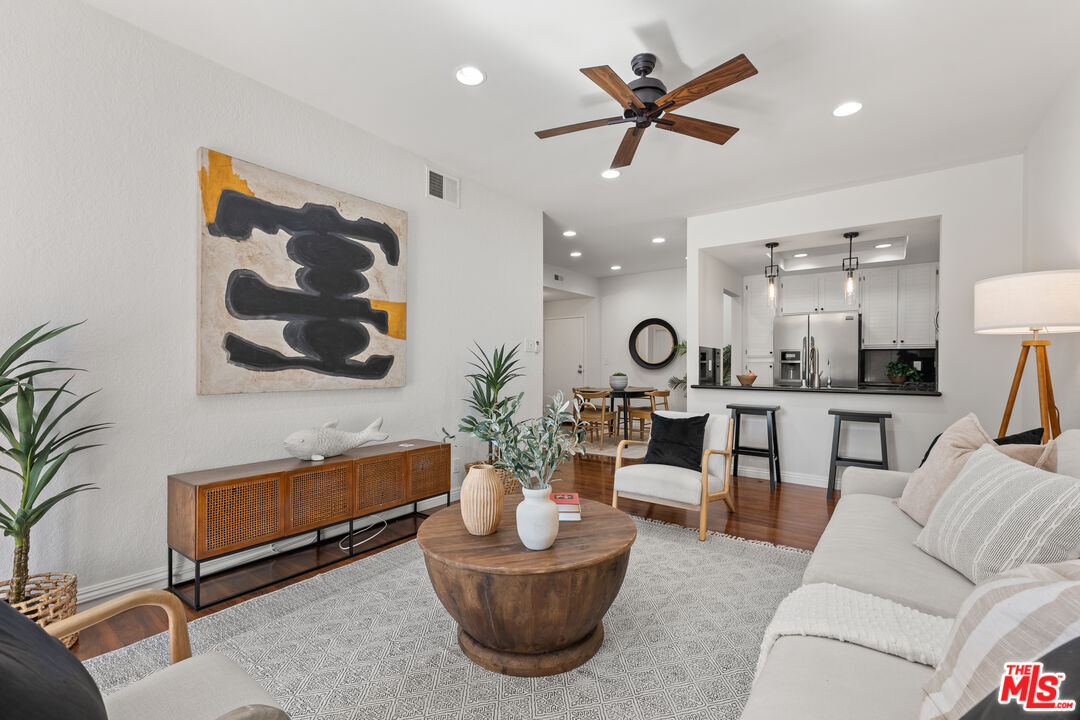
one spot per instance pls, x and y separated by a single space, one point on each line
916 308
764 370
798 294
899 306
831 292
879 307
758 316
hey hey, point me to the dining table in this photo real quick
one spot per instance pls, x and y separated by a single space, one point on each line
630 391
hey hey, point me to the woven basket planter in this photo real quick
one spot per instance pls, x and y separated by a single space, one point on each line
509 482
50 597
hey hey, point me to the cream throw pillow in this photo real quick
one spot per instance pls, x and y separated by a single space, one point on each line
1068 453
945 461
999 514
1018 616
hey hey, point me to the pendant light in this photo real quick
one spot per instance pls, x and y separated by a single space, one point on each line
772 271
849 266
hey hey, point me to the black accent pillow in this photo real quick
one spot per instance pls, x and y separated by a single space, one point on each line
677 441
1027 437
40 679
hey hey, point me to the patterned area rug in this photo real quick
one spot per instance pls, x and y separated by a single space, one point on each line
370 641
592 447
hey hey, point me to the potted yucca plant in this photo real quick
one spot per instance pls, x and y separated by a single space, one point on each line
33 448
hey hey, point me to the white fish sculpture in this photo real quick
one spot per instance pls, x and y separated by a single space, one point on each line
326 441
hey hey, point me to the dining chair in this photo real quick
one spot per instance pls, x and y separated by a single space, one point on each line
657 399
594 416
679 486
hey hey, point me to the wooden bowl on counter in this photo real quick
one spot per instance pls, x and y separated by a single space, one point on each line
746 379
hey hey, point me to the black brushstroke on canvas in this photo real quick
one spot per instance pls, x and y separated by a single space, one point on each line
325 321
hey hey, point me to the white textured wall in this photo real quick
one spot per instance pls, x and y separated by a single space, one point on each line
98 200
1052 219
981 229
626 300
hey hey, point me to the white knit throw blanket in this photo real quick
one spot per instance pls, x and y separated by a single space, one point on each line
830 611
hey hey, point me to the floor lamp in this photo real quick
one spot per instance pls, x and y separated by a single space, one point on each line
1036 302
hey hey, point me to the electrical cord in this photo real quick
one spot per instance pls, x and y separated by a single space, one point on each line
349 537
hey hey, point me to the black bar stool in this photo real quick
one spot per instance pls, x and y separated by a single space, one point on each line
772 452
864 416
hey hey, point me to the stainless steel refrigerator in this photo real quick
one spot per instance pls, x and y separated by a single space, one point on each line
819 350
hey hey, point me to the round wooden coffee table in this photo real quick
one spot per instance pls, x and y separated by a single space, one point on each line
526 612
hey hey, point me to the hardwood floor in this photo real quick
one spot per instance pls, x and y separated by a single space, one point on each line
792 515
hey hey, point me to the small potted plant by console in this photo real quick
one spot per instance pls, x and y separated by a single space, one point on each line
618 381
35 448
900 372
532 451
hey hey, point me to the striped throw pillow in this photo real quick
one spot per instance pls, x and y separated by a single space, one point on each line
1028 614
999 514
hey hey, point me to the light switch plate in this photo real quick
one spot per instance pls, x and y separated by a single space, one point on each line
532 345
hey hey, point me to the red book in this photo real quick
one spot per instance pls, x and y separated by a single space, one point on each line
567 502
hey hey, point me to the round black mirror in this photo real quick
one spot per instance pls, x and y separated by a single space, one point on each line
653 343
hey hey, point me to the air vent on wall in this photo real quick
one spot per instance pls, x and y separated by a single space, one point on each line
443 187
557 277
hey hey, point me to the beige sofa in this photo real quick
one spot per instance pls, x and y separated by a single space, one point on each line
867 546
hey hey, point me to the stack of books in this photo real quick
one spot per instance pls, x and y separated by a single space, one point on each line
569 505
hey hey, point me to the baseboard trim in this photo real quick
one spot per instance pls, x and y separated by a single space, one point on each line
90 595
796 478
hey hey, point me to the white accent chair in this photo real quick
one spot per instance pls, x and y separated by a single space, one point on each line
677 486
204 687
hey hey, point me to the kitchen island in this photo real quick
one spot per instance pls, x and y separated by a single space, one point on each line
916 389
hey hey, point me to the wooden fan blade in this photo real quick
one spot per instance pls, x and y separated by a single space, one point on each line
614 86
575 127
731 72
625 154
713 132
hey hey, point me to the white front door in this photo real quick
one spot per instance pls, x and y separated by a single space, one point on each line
564 355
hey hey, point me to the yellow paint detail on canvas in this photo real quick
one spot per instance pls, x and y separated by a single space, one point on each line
396 313
218 175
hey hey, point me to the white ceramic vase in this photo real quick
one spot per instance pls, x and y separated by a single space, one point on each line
537 518
618 382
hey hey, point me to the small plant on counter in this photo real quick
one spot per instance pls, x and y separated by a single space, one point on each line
533 450
899 372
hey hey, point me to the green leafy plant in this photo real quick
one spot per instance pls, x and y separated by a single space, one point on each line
726 361
899 369
675 382
618 374
12 372
533 450
492 374
36 446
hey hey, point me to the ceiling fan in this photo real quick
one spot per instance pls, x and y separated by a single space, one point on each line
646 101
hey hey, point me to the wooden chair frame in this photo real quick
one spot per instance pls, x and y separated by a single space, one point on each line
598 418
642 413
706 496
179 642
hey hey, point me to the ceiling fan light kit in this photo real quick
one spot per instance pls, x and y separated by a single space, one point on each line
646 102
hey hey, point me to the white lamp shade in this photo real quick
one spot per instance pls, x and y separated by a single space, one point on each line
1016 304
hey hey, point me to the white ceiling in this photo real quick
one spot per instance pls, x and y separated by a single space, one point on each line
922 235
942 83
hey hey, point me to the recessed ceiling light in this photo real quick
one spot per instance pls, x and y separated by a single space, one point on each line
882 246
470 75
659 240
569 233
616 267
576 253
848 108
800 255
610 174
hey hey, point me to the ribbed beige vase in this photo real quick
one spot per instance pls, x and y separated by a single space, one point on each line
482 500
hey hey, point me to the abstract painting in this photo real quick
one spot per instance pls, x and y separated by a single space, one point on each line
301 287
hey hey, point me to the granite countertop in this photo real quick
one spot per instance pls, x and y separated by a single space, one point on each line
924 389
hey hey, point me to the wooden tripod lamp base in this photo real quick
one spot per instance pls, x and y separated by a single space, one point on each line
1033 302
1048 412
